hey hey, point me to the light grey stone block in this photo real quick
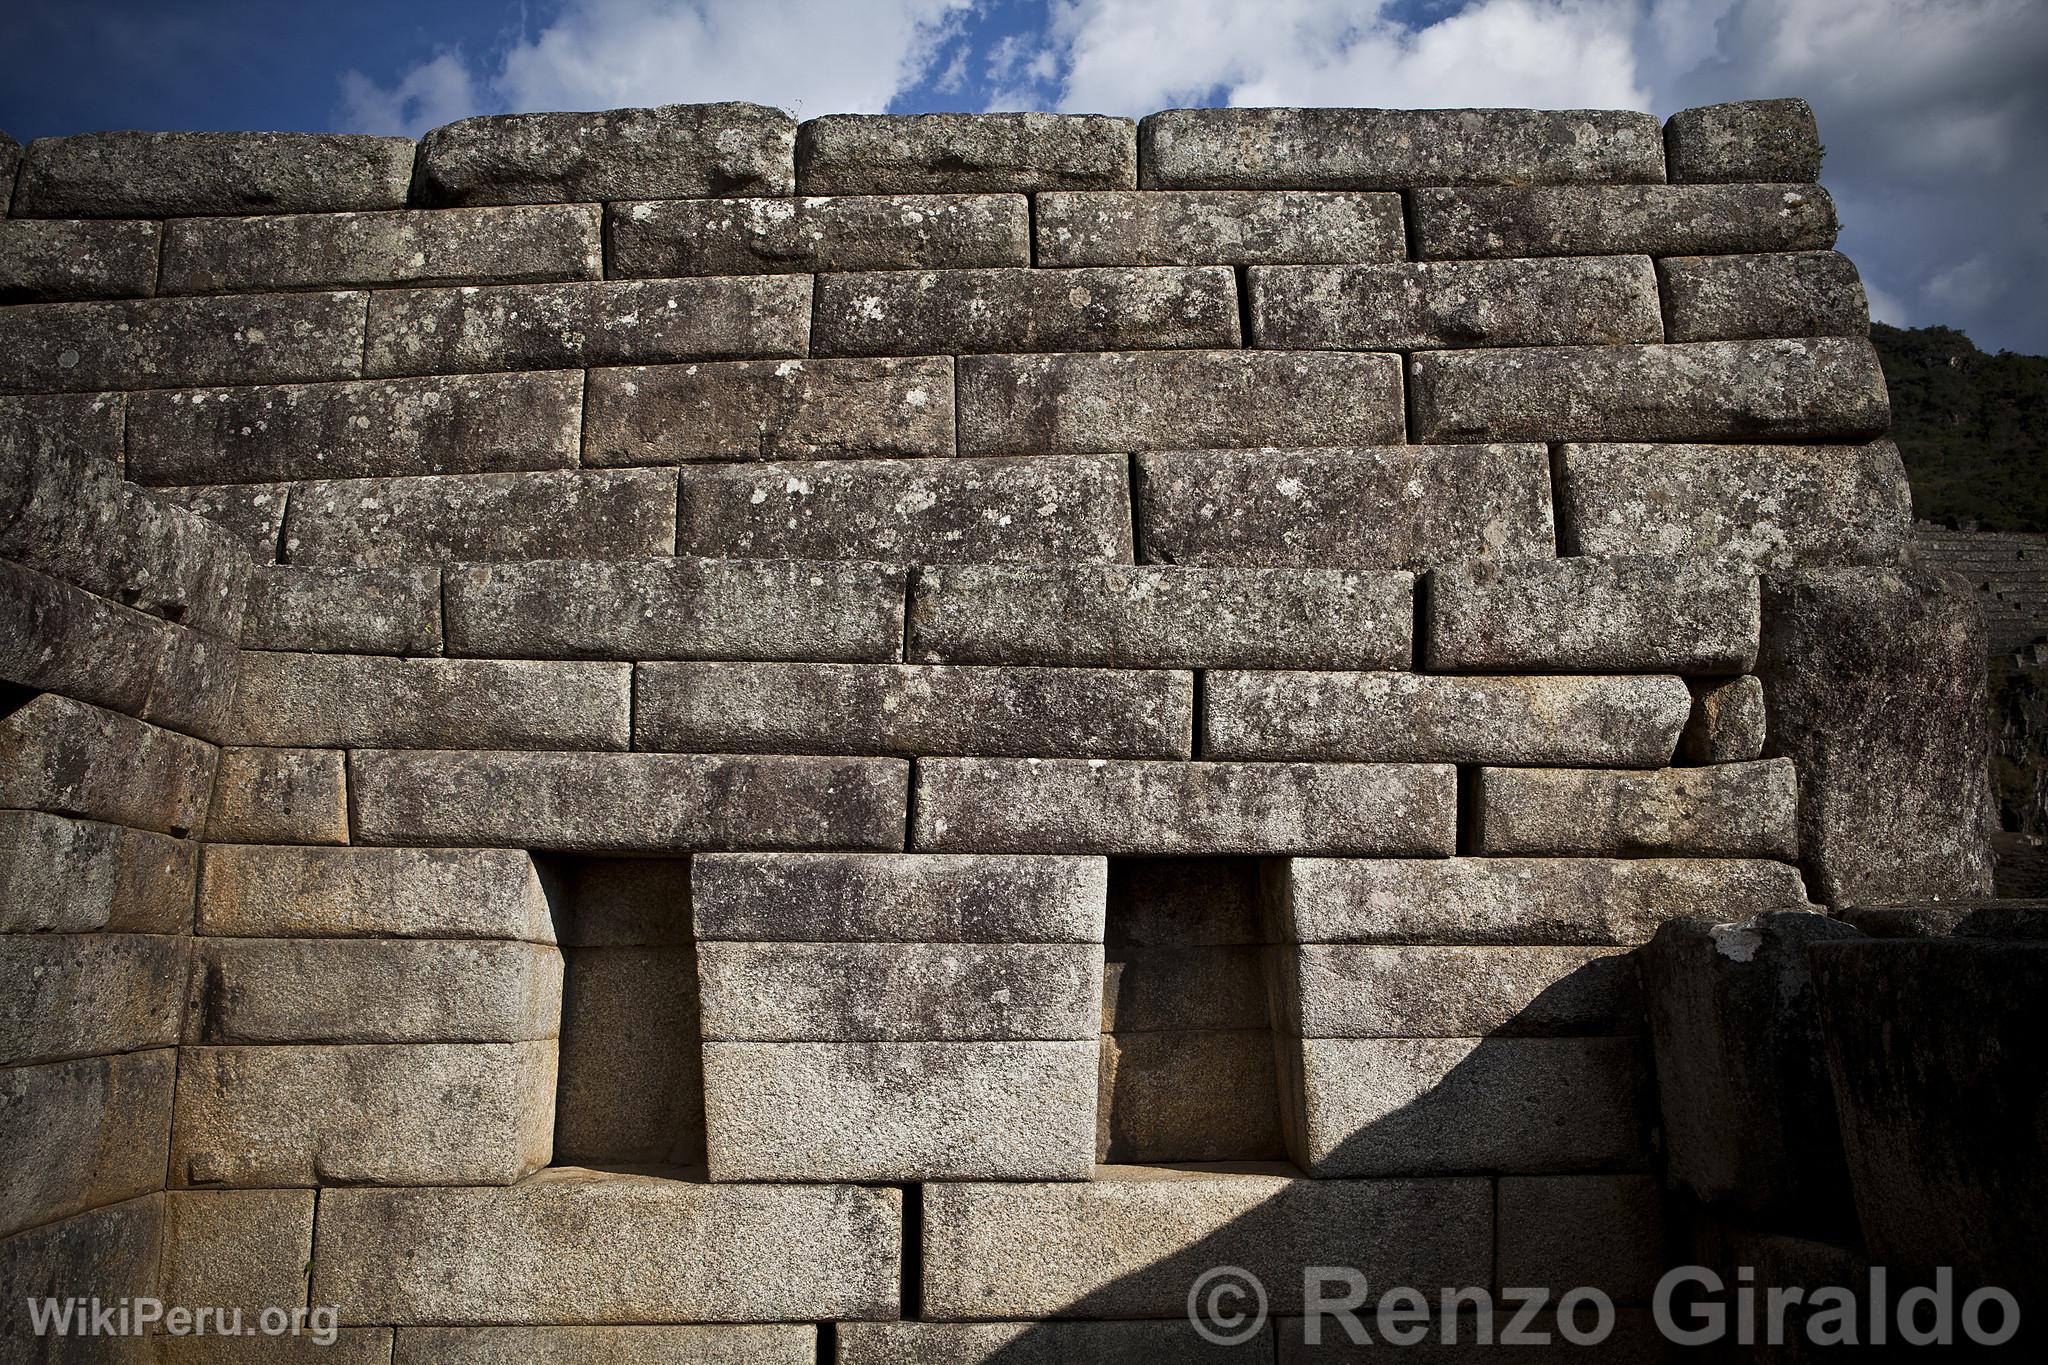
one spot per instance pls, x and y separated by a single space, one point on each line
749 1344
1768 140
1775 294
246 1249
81 1134
680 237
1728 810
278 796
45 262
1564 1231
345 611
165 175
66 876
910 312
1189 1095
1662 220
86 995
69 758
1423 305
164 343
965 153
1198 227
898 898
1727 722
254 891
1347 990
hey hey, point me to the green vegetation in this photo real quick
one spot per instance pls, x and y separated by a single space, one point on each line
1973 428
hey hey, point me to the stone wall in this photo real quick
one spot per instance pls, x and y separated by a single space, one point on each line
673 735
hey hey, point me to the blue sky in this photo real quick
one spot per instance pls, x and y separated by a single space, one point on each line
1931 109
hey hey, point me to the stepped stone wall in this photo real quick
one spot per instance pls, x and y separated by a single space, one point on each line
669 735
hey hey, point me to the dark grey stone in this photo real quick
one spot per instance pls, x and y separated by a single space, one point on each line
69 758
89 995
110 1252
1357 990
160 343
897 898
1592 220
1775 294
909 312
1217 227
171 175
84 1134
965 153
57 638
1766 140
78 259
851 232
1188 1095
59 875
1421 305
345 611
253 513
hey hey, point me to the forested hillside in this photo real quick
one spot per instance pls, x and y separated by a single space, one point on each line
1973 428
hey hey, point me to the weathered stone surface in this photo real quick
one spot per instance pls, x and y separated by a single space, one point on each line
1391 149
1037 1343
1772 506
278 796
553 514
251 512
1728 810
1410 717
965 153
533 245
81 1134
1420 305
1590 220
899 1111
1171 987
1515 900
1189 1095
592 802
1129 1243
170 175
57 638
1123 807
1188 400
1727 722
344 611
86 995
195 685
621 902
1376 1106
109 1252
699 1252
1628 613
1788 294
2009 919
912 709
767 409
1184 902
681 608
247 1249
428 1114
681 237
1874 685
69 758
908 312
43 262
349 1346
10 162
749 1344
449 893
361 701
897 898
1381 507
1197 227
1564 1231
632 1072
612 322
1749 1120
896 992
1039 511
458 424
73 876
1767 140
1346 990
670 151
1796 389
156 343
1164 617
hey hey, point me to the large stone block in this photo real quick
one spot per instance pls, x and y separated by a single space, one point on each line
1412 717
668 152
1420 305
339 990
57 638
599 802
965 153
195 685
899 992
10 162
680 237
770 409
1119 806
1189 1095
86 995
399 1114
908 312
1565 1231
1874 686
1380 507
69 758
109 1253
372 428
1346 990
1515 900
1675 613
899 1111
897 898
677 609
251 890
1196 227
310 609
246 1249
45 262
253 513
278 796
554 514
1772 506
614 322
1726 810
163 343
1121 616
1039 511
1727 721
742 1344
1131 1243
1417 1106
1795 389
366 701
1589 220
1391 149
1037 1343
1788 294
671 1250
912 709
1177 400
74 876
82 1134
1767 140
171 175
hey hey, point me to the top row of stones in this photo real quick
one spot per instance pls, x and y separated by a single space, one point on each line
685 151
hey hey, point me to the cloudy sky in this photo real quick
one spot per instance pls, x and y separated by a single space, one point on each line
1933 111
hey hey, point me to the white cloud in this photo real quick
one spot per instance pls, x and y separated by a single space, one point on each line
433 92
